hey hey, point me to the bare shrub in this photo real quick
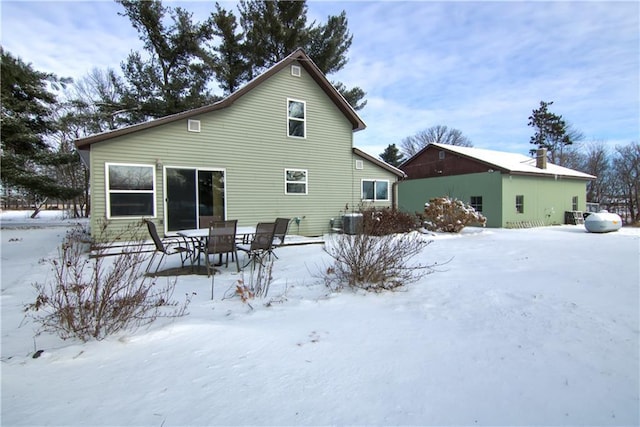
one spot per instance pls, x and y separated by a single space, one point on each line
450 215
379 222
92 299
257 286
375 263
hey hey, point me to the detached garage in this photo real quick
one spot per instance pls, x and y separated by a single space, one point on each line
510 190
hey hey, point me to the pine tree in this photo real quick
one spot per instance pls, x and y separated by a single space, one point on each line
175 76
392 155
551 132
229 66
27 122
271 30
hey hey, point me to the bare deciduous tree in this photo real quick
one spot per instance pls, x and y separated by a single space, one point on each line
626 165
438 134
597 162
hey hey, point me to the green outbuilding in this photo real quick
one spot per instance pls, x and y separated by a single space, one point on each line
510 190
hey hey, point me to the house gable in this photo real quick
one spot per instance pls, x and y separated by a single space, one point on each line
434 161
298 58
474 160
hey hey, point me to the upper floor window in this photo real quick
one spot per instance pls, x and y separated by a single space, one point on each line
375 190
574 203
296 118
130 190
295 181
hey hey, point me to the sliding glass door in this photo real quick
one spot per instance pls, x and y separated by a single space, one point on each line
192 193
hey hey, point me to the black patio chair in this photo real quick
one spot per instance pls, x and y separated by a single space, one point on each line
282 225
222 241
204 221
261 246
167 246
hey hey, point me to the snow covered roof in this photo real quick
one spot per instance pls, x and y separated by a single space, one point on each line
512 162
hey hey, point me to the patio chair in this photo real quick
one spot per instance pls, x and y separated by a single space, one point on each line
168 246
205 221
282 224
222 241
261 246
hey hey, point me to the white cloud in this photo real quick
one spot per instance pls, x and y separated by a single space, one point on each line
480 67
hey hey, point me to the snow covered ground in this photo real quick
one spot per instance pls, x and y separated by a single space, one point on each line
522 327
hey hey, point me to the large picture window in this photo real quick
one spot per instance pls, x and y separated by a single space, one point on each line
295 181
375 190
130 190
296 118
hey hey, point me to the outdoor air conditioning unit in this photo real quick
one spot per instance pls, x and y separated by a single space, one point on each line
352 223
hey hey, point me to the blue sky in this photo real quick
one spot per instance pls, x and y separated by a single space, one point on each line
480 67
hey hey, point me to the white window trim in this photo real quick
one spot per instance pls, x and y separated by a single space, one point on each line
375 181
306 182
304 121
107 190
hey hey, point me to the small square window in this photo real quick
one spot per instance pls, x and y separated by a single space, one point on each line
441 155
476 203
359 164
295 181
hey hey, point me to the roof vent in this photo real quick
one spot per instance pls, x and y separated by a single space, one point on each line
193 126
359 164
295 71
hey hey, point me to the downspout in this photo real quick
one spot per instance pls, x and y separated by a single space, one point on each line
394 195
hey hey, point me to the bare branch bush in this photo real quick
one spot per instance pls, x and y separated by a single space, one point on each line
375 263
92 299
260 279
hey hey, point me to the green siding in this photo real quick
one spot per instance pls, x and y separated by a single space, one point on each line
249 141
414 193
545 199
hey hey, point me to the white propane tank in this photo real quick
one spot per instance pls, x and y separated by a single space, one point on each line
602 222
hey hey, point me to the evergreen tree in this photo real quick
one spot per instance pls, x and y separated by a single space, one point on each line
551 132
27 122
175 76
229 64
392 155
271 30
